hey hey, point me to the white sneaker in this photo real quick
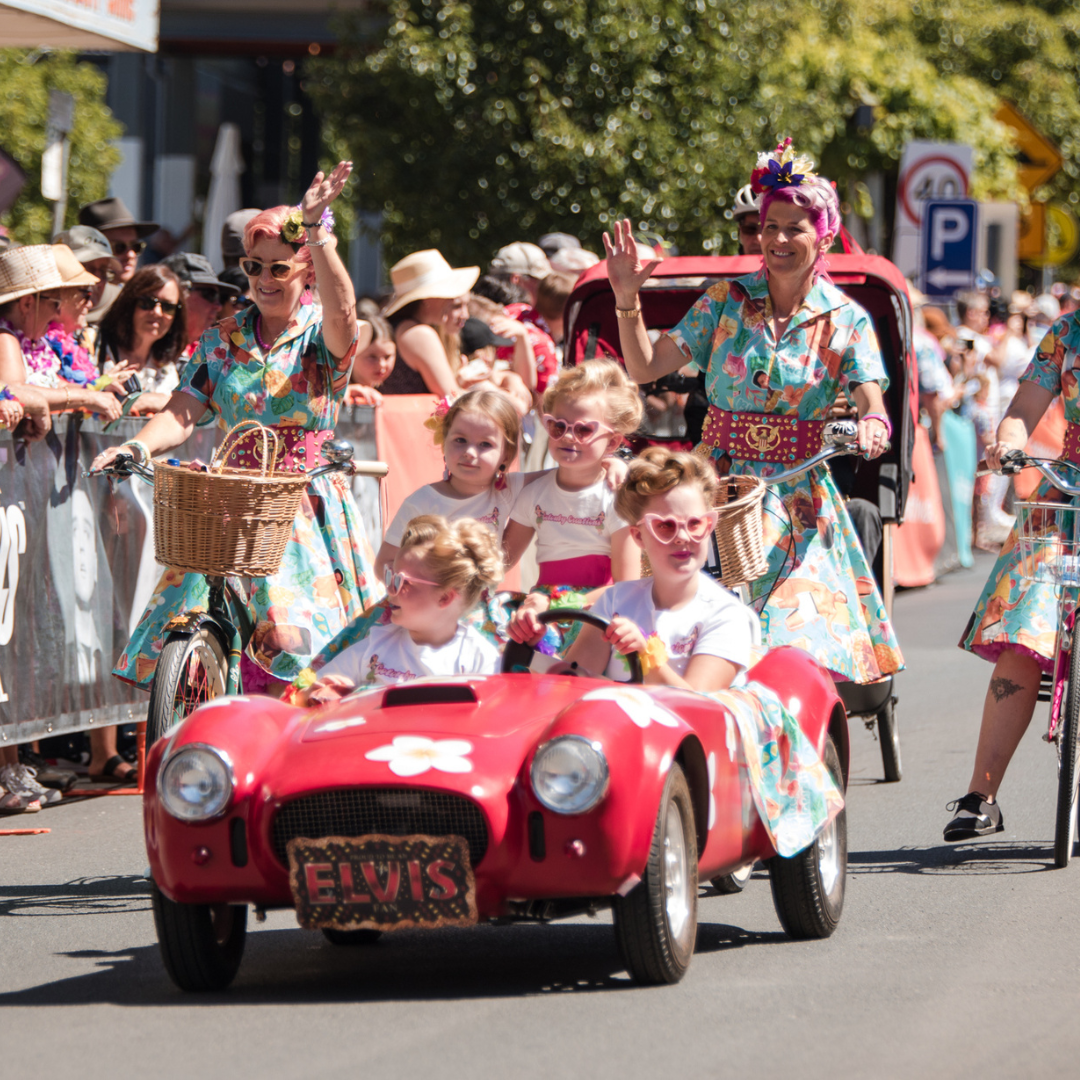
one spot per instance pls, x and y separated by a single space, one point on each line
22 780
12 804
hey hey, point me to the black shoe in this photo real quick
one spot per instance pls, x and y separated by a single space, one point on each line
974 817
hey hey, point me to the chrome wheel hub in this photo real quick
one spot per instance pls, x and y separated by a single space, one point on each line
678 902
830 864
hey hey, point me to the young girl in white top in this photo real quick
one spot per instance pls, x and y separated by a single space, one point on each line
690 631
479 435
582 542
436 577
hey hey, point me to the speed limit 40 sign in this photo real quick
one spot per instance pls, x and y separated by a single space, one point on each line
928 171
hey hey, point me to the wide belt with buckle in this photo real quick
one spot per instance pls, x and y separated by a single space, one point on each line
301 449
762 436
1070 450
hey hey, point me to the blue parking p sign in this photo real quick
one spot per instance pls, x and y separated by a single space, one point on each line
949 235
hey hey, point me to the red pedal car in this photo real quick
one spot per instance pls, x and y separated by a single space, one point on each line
518 796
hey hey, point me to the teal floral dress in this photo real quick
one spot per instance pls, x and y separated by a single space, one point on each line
326 580
1017 610
819 593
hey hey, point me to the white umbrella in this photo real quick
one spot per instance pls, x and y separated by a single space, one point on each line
224 197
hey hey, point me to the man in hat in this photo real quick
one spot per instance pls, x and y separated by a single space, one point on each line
551 242
126 236
232 236
93 250
204 293
521 264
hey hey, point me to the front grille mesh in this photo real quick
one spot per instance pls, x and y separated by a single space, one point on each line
392 811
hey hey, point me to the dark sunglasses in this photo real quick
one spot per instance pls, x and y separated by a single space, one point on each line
122 247
148 303
279 271
208 293
749 228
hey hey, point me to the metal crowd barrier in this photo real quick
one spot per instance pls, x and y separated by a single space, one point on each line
77 569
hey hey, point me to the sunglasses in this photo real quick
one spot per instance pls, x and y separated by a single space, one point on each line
581 431
208 293
122 247
750 228
54 300
86 292
395 582
148 303
279 271
666 529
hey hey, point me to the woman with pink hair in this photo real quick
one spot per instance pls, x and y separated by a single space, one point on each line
777 347
285 362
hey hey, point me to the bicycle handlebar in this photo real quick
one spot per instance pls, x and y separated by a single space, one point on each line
1017 460
124 465
839 438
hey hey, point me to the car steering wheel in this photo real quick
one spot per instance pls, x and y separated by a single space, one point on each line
517 655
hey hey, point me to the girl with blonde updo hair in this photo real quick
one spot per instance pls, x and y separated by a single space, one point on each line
438 576
690 631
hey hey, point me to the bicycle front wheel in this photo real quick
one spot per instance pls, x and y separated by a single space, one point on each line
1065 826
191 670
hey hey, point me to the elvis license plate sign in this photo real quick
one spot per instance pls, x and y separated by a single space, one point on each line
382 882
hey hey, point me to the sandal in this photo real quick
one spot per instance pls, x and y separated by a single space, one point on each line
112 773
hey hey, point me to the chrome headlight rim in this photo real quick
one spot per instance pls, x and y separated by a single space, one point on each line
171 756
593 745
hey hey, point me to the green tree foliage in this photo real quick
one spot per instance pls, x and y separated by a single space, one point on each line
25 81
473 123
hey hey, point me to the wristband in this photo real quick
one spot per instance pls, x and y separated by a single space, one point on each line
884 419
653 655
141 447
628 313
317 243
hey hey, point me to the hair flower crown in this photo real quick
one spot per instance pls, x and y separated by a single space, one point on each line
434 422
292 228
782 168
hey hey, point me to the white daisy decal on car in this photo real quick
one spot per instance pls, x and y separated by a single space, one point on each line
637 704
411 755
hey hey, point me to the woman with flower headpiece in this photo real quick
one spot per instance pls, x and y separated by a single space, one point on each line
285 362
777 347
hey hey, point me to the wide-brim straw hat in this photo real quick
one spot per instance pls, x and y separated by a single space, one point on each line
426 275
71 270
30 269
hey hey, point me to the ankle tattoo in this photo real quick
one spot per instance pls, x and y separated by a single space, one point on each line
1002 688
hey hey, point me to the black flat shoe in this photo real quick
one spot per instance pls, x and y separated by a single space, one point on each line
112 773
974 817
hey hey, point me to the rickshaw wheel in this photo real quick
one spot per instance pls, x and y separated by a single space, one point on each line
889 735
191 670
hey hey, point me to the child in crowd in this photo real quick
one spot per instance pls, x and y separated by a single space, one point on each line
436 578
690 631
582 542
372 366
479 436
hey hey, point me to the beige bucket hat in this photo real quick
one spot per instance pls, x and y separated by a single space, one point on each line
426 275
71 270
27 270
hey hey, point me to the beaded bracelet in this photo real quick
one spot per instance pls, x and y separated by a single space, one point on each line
654 654
884 419
141 447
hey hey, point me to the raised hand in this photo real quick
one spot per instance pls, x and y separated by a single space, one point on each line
324 190
625 270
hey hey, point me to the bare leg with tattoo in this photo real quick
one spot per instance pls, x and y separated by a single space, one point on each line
1010 704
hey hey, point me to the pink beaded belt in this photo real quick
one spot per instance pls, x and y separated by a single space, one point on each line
762 436
301 449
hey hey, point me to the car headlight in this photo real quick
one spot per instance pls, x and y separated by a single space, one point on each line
196 783
569 774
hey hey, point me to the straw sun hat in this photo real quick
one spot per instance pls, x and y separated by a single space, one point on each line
426 275
27 270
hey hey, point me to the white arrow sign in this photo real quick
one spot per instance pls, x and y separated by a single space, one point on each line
941 278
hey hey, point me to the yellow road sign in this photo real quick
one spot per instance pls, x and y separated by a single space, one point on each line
1062 236
1031 244
1037 157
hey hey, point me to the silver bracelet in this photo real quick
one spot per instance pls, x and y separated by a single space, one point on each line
318 243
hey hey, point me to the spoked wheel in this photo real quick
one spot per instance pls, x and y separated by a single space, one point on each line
201 944
351 938
808 888
1068 744
656 923
191 670
729 884
889 734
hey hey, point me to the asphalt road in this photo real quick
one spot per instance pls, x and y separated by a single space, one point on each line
949 961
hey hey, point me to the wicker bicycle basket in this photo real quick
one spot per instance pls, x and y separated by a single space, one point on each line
739 529
228 520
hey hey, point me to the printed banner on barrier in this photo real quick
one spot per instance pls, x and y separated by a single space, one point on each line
77 569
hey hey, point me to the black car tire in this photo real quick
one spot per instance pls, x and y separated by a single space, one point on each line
201 944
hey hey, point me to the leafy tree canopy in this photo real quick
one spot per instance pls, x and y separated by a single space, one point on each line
476 123
25 81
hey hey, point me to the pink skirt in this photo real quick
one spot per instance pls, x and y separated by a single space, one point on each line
584 572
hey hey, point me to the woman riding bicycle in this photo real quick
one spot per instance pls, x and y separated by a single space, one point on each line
285 362
1015 621
777 347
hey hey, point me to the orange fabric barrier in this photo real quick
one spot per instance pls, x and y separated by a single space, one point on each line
1046 441
402 441
917 542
